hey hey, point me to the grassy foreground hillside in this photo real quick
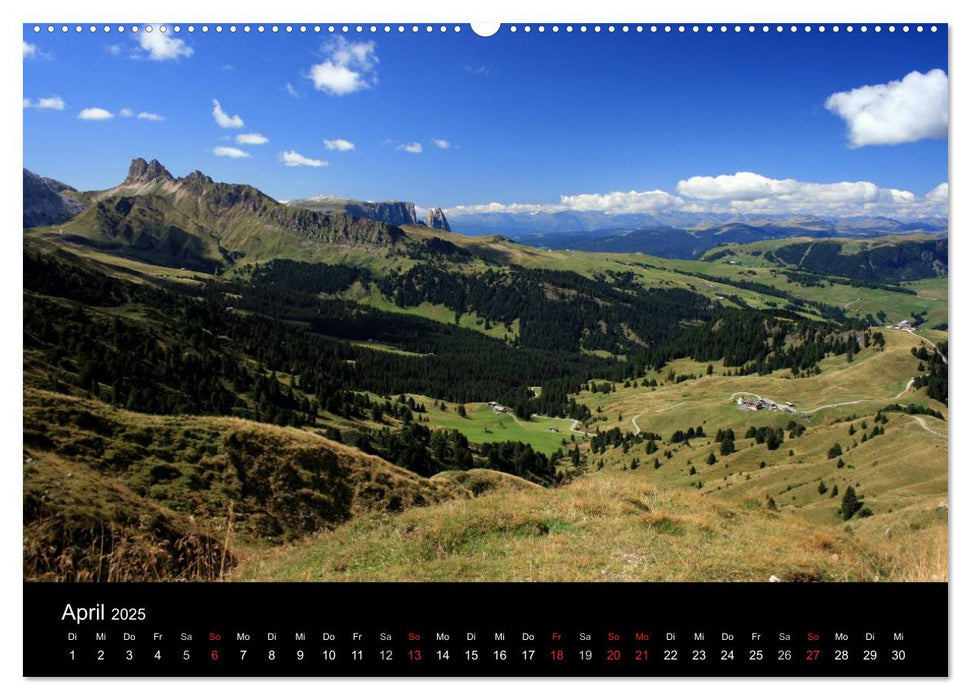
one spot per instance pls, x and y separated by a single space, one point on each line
113 495
607 527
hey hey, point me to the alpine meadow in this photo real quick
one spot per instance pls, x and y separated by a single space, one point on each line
726 360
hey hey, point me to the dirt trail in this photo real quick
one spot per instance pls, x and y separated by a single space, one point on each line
805 255
908 387
922 422
929 342
637 428
573 428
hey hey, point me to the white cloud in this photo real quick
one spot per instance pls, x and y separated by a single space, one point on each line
115 49
338 145
900 111
125 112
224 120
939 194
348 67
52 102
748 194
500 208
751 187
413 147
292 91
293 159
151 117
162 46
32 51
621 202
255 139
442 143
229 152
95 114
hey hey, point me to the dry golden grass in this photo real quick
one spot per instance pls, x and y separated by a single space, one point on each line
610 526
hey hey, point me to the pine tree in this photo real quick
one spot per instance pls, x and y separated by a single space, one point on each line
851 504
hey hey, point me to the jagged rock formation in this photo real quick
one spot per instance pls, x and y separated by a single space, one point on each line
393 212
44 201
199 224
436 219
140 171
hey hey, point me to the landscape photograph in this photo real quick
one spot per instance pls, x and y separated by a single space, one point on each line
399 303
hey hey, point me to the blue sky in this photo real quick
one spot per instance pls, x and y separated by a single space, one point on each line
528 119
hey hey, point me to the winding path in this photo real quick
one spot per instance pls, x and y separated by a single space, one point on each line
637 428
928 341
908 387
922 422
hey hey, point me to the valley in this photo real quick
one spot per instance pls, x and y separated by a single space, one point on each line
219 386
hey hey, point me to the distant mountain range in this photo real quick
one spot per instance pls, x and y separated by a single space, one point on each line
197 223
674 235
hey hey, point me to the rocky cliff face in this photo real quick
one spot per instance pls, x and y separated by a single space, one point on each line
392 212
435 218
44 205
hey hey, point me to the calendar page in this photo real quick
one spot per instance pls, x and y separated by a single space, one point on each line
438 349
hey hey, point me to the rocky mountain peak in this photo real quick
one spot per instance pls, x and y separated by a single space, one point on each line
197 176
141 171
435 218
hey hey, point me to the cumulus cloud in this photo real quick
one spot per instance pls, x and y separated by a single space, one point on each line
621 202
95 114
229 152
292 91
347 67
157 45
338 145
752 187
52 102
254 139
900 111
413 147
125 112
224 120
293 159
939 194
745 194
151 116
442 143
